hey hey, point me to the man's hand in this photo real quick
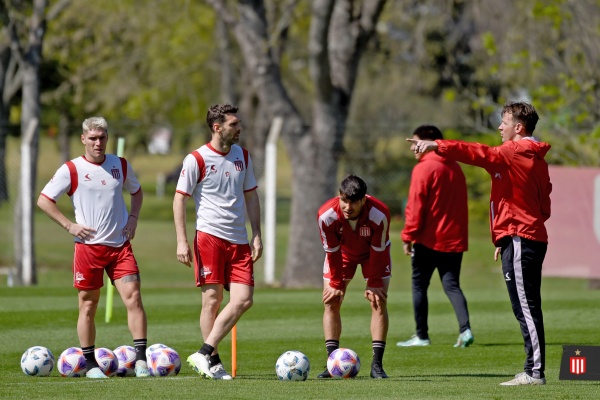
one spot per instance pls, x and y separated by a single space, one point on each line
408 250
497 253
257 248
184 253
376 296
130 228
330 295
81 232
423 146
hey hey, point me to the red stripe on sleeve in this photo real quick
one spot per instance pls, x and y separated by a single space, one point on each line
74 180
201 165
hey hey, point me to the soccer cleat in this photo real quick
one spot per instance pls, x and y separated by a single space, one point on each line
95 373
199 362
465 339
141 369
377 371
524 379
414 341
219 372
324 375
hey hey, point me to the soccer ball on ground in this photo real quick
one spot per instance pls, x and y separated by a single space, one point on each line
37 361
163 361
343 363
107 361
155 346
292 366
71 363
126 356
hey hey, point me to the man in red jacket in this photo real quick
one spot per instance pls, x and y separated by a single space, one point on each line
435 235
355 230
519 207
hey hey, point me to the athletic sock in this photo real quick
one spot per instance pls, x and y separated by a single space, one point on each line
206 349
140 349
331 345
90 357
378 349
214 360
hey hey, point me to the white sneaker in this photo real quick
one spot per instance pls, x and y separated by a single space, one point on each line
524 379
95 373
199 363
219 372
414 341
465 339
141 369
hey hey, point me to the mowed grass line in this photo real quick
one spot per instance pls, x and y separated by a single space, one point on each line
291 319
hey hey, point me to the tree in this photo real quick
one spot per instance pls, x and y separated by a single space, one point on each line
28 54
338 36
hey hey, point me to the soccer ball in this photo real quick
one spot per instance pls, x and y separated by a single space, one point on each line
343 363
107 361
126 356
37 361
71 363
154 347
164 361
292 366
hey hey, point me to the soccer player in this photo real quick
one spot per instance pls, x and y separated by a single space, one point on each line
519 207
220 178
436 234
102 230
355 230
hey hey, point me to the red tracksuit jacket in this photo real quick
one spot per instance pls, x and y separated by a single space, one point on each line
436 213
520 198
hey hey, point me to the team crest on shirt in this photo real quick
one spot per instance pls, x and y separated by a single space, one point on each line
115 173
239 165
365 231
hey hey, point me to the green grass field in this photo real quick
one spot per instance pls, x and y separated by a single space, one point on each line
283 320
291 319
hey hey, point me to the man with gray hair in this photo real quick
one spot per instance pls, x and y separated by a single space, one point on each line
102 230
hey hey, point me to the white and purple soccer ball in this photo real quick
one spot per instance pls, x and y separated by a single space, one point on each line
154 347
37 361
292 365
107 361
71 363
163 361
126 357
343 363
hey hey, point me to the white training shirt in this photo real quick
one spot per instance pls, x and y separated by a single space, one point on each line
96 194
218 182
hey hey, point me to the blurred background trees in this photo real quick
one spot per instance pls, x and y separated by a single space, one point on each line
453 63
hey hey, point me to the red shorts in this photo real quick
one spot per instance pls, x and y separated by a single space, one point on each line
91 260
218 261
350 263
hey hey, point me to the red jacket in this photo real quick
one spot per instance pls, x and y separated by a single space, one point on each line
437 210
368 240
520 198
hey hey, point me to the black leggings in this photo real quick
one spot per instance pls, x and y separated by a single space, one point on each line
424 263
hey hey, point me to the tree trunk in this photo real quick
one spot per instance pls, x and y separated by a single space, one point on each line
314 150
30 111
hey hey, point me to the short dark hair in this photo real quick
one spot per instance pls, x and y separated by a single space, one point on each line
353 188
524 113
428 132
218 114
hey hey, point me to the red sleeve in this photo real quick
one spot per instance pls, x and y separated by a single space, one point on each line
332 244
417 199
477 154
